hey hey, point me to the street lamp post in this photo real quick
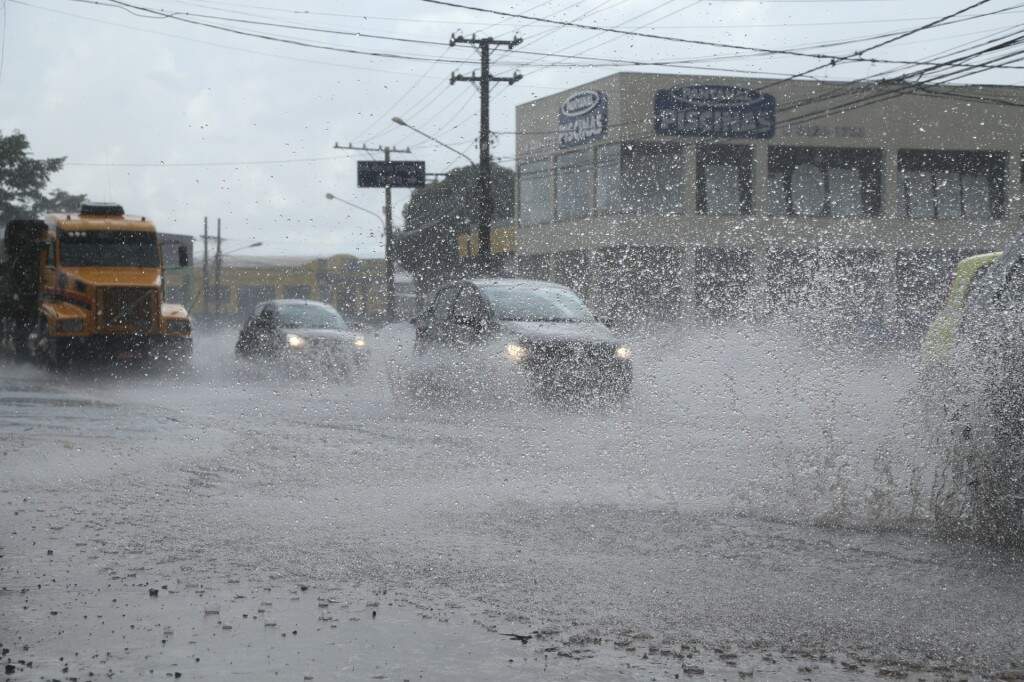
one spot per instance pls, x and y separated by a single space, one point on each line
485 202
389 257
399 121
218 261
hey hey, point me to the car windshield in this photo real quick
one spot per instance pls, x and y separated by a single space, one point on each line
536 303
102 248
310 317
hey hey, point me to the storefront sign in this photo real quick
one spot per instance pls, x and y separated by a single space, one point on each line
714 111
582 118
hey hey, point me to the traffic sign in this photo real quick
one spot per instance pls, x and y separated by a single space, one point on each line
391 173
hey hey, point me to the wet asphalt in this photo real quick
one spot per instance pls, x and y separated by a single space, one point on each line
757 510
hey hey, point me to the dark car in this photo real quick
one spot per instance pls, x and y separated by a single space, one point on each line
486 332
303 334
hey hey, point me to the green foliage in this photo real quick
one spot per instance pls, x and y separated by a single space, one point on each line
59 201
23 182
453 202
438 212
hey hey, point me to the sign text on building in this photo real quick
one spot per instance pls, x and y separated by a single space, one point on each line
391 173
582 118
714 111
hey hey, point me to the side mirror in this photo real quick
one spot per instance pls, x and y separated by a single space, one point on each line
183 259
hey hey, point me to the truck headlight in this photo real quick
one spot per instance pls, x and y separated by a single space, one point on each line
623 353
295 341
516 352
71 325
359 342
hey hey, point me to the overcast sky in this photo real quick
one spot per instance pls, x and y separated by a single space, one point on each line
179 121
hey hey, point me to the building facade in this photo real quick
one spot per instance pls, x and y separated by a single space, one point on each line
354 286
658 194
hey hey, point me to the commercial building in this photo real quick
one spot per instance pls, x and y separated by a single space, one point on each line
353 285
659 193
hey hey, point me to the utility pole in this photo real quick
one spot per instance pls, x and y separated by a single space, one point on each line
206 266
216 269
485 188
389 256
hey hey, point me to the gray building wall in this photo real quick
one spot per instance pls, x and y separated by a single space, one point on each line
673 260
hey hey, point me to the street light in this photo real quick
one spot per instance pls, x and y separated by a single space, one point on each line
242 248
389 264
356 206
401 122
218 260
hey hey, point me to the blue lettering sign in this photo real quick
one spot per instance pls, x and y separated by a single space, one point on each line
582 118
714 111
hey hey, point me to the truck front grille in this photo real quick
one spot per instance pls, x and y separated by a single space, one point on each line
126 310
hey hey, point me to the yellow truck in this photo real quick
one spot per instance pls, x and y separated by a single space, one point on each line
89 285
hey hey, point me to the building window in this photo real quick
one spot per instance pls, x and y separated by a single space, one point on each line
534 192
824 182
652 178
573 184
609 160
944 185
724 179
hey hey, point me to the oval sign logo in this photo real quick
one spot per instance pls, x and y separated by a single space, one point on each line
580 103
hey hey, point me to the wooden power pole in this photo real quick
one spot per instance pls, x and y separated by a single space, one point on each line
485 187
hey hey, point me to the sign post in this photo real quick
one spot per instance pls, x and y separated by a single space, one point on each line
387 174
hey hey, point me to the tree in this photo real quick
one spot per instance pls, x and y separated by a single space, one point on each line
59 201
437 213
23 181
454 202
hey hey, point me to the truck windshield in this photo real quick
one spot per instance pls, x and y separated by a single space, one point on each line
104 248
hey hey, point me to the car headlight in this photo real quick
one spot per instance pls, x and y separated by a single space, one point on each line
360 342
515 352
295 341
623 353
71 325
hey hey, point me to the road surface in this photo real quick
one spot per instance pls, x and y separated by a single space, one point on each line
758 510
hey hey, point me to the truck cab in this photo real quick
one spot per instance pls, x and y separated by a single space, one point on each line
100 288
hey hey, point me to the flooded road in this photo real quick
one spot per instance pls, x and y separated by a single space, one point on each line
759 508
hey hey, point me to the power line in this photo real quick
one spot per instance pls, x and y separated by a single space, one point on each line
877 98
132 9
595 62
887 41
175 164
872 85
422 77
222 46
435 21
690 41
311 29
